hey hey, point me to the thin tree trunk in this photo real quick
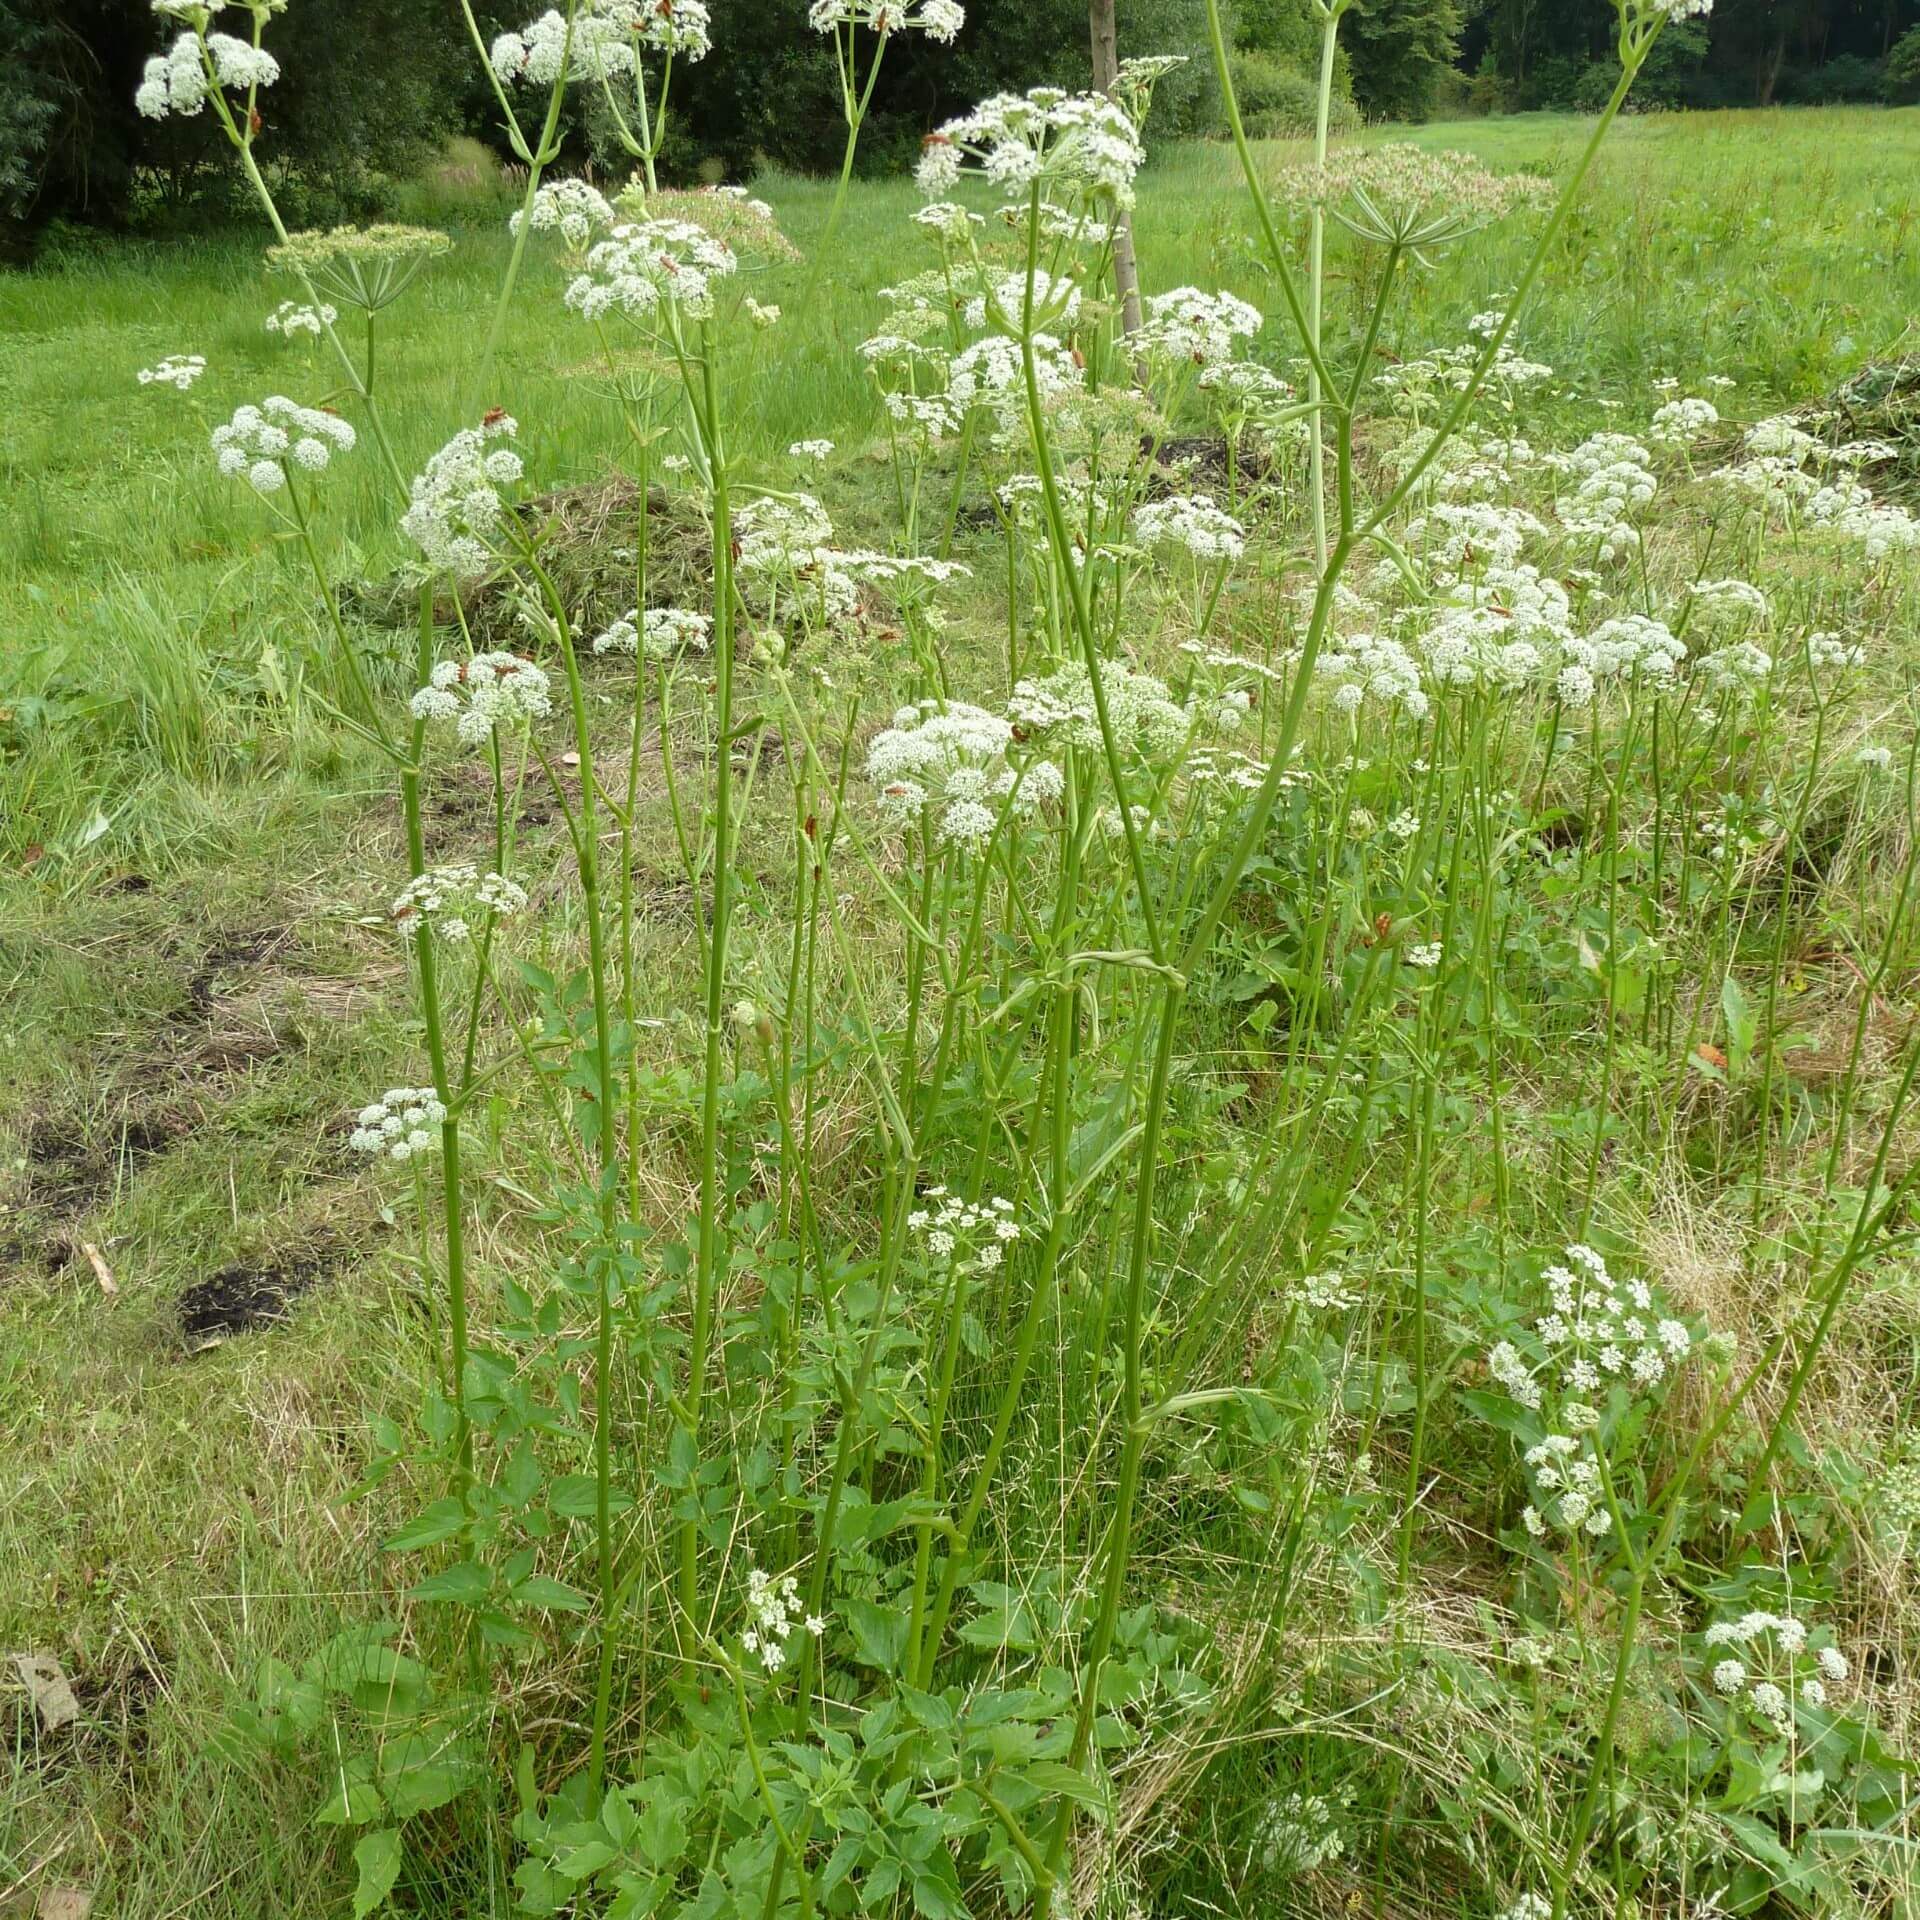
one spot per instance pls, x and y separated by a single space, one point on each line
1106 69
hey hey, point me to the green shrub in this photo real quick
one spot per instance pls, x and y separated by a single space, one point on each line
1900 71
1277 102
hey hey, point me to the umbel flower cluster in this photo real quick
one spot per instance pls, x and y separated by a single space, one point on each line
260 443
1190 325
574 209
177 82
1765 1662
294 316
179 370
402 1123
1079 145
660 633
1599 1331
1404 196
644 266
447 899
366 268
973 1239
456 512
938 19
948 761
1192 522
1601 1340
606 38
773 1611
476 696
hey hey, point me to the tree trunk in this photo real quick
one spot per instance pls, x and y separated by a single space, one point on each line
1770 73
1106 69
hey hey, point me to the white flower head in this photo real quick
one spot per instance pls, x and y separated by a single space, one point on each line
457 513
475 696
294 316
937 19
178 81
259 442
178 370
402 1124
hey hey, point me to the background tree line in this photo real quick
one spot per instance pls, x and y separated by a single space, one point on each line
372 88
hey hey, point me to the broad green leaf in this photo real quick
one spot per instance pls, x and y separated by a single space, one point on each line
378 1857
465 1584
879 1633
441 1521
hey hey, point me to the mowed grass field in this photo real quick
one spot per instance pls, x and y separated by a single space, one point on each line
196 983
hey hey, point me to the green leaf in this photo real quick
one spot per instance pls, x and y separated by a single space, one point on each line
352 1804
541 1591
1054 1776
419 1773
576 1496
465 1584
935 1897
441 1521
662 1834
378 1858
879 1633
584 1861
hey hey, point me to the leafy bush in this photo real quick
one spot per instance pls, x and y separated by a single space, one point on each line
1900 73
1277 102
1845 79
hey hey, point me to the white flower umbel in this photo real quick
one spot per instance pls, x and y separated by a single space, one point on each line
773 1612
938 19
1727 603
1192 522
294 316
447 899
1076 145
1602 1342
475 696
661 633
573 209
683 28
1146 720
403 1123
947 761
262 444
605 40
457 511
649 265
1620 649
1190 326
1366 666
957 1233
1451 538
1680 422
178 81
179 370
992 373
1763 1663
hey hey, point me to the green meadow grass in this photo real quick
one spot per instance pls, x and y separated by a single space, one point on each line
190 847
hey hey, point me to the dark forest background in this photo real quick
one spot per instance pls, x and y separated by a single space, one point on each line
373 89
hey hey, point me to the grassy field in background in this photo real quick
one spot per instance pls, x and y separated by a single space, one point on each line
194 984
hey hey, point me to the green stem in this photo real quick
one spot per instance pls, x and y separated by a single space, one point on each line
710 1254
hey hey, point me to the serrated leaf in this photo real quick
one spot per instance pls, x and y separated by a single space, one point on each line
441 1521
542 1591
1054 1776
879 1633
378 1858
465 1584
